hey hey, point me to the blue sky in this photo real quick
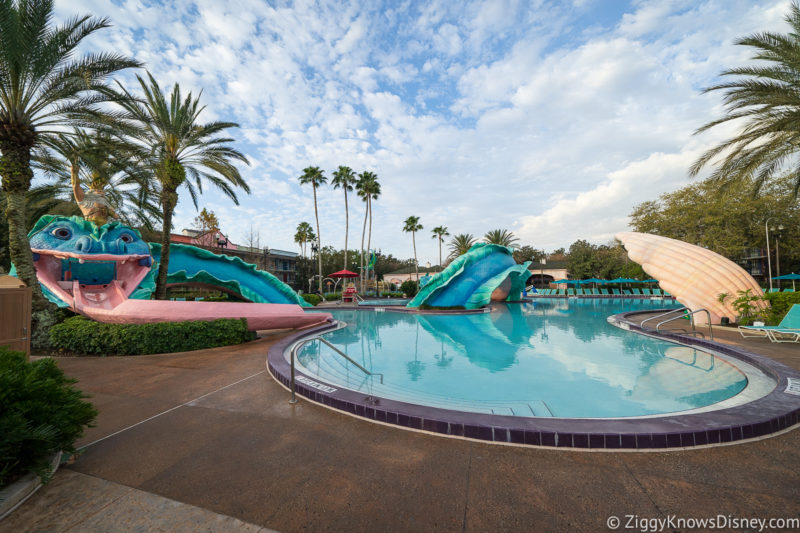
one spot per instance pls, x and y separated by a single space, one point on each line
550 119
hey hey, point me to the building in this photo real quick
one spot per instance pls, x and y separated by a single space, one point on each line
280 263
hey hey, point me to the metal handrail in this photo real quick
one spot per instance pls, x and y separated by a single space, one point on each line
681 309
296 346
691 318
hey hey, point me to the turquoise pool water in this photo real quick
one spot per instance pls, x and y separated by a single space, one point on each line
546 358
386 301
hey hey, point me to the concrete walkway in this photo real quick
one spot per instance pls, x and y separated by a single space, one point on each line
213 431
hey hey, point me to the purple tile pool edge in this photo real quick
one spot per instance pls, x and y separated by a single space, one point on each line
773 413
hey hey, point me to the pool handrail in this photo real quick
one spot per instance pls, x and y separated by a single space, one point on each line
691 319
297 344
680 309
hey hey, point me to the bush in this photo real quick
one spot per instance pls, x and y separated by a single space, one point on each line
780 303
313 299
80 335
409 288
391 295
41 413
41 323
333 296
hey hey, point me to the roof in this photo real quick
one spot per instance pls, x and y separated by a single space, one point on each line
410 270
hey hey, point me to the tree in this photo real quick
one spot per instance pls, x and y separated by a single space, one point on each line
528 253
345 178
729 222
502 237
368 189
109 166
43 89
315 177
303 235
182 152
412 225
460 245
581 261
438 233
206 221
765 96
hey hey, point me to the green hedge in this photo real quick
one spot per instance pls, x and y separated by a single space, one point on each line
313 299
780 303
41 413
80 335
333 296
409 287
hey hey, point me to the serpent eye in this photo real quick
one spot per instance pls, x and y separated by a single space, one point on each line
61 233
126 237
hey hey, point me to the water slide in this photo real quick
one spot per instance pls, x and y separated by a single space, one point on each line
487 272
95 271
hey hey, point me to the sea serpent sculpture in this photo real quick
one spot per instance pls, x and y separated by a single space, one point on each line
695 276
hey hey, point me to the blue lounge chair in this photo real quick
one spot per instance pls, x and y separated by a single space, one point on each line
789 327
604 292
626 292
570 292
637 292
788 290
562 292
774 289
657 292
595 292
616 292
646 292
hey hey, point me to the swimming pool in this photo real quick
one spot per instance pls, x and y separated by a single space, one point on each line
552 358
386 301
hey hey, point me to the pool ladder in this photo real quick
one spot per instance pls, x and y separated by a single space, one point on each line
298 344
685 313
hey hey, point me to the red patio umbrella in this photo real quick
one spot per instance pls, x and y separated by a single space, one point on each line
343 274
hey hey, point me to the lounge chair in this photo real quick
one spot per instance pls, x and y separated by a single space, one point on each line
657 292
615 292
570 292
596 292
637 292
788 290
604 292
647 292
562 292
626 292
789 326
774 289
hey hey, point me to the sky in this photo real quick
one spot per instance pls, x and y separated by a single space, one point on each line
551 119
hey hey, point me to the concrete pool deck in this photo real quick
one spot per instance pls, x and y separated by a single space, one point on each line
216 446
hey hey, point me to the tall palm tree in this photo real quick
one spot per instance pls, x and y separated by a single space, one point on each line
316 178
412 225
439 232
182 151
766 96
502 237
110 167
42 89
345 178
368 189
303 235
460 245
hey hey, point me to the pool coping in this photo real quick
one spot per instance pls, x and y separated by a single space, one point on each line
773 413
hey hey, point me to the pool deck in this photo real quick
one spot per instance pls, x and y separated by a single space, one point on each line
215 446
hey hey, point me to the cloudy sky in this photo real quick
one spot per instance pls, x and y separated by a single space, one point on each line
548 118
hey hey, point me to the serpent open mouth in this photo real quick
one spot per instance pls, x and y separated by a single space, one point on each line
102 280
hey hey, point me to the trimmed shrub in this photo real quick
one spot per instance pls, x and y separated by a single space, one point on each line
313 299
391 295
80 335
409 288
333 296
41 323
780 303
41 413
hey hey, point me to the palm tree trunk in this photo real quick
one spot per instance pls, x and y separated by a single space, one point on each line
319 241
361 258
20 250
369 235
15 168
169 200
440 253
416 269
346 226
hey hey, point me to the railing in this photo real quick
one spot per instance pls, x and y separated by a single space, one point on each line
671 311
298 344
691 318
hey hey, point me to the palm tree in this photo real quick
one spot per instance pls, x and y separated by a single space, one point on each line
460 245
439 232
303 235
345 178
120 186
368 189
42 90
315 177
766 96
181 152
502 237
412 226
